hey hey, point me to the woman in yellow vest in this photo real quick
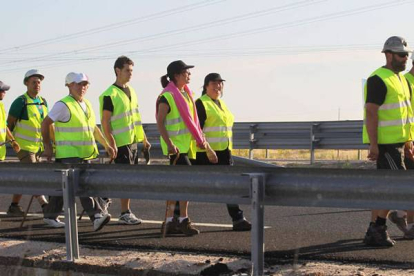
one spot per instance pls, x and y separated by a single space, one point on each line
181 134
217 121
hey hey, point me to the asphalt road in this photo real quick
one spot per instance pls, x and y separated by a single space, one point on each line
292 233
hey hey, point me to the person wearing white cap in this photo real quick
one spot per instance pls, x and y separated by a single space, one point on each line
75 135
25 117
5 134
122 126
388 126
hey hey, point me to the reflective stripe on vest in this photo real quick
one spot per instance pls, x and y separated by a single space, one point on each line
125 121
75 138
28 132
177 130
2 131
395 115
218 126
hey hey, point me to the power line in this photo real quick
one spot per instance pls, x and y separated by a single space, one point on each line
113 26
265 29
199 27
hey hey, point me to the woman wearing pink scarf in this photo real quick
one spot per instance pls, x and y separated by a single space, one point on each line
180 131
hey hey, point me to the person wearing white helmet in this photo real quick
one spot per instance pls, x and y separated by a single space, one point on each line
76 134
25 117
387 125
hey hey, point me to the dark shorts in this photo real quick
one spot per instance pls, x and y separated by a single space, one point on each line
127 154
391 157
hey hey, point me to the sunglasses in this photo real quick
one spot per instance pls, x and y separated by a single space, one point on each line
401 55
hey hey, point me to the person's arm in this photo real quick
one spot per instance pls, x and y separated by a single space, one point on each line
371 123
107 130
101 139
14 144
161 115
46 126
11 122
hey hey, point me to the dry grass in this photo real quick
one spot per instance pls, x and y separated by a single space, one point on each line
300 155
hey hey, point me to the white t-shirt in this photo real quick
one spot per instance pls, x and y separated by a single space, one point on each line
60 111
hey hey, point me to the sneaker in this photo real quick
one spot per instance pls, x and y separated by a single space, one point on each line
129 218
55 223
100 221
171 228
242 225
187 228
104 203
15 211
378 236
400 222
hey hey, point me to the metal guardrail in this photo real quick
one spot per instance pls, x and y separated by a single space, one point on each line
284 135
241 185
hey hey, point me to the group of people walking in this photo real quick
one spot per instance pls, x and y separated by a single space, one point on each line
191 133
389 131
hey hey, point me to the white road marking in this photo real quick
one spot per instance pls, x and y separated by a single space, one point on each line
115 219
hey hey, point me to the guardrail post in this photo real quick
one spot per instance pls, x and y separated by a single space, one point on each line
253 129
257 234
70 179
313 142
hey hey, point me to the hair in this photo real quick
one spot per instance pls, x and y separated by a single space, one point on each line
121 61
165 79
205 89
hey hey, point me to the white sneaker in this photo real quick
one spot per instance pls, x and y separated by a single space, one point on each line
100 221
129 218
55 223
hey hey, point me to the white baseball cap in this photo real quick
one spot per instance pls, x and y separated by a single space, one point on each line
76 77
31 73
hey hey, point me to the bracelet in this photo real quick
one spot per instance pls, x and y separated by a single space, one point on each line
11 141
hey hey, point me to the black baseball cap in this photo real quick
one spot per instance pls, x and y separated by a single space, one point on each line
176 67
212 77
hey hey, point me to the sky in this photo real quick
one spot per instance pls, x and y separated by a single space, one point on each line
292 60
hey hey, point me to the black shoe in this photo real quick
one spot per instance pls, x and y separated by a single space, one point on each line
242 225
378 236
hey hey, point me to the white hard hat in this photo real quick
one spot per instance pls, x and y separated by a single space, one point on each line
31 73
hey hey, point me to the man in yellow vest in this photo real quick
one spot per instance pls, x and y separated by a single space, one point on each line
121 124
75 135
25 117
388 127
405 220
5 134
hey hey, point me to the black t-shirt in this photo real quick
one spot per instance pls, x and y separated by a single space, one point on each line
107 102
377 91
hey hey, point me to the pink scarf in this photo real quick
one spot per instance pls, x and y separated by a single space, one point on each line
193 125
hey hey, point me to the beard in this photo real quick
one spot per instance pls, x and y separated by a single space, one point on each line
398 66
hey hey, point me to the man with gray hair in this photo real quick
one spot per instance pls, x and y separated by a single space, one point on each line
388 127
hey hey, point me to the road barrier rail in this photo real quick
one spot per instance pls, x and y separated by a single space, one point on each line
257 186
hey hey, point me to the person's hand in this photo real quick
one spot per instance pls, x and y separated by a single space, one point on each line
147 144
114 147
111 152
48 152
373 152
15 146
211 154
172 149
408 150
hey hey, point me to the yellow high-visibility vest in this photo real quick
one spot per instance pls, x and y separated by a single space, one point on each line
3 132
28 132
126 122
395 115
75 138
218 125
177 130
